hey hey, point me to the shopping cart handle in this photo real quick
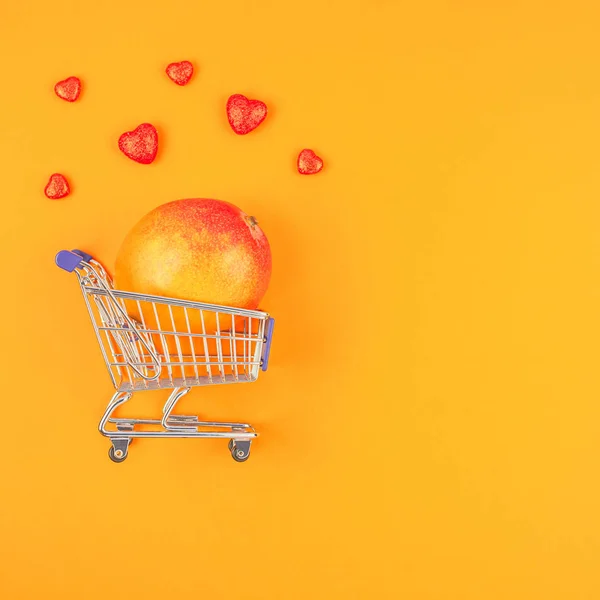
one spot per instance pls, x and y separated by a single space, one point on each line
267 347
87 257
67 260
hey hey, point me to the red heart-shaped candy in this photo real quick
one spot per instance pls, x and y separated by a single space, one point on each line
244 115
141 144
180 72
68 89
57 187
309 163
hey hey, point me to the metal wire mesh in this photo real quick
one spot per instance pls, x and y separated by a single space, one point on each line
151 342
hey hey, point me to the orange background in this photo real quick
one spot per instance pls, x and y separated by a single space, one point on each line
430 420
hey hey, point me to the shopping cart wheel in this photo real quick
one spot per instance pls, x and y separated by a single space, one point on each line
117 456
240 451
118 451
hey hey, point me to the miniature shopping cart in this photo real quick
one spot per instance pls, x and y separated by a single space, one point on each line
152 342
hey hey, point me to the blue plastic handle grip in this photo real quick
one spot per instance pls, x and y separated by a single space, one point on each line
87 257
267 347
67 260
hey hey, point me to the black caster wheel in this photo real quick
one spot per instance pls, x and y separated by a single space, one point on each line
230 445
239 454
117 456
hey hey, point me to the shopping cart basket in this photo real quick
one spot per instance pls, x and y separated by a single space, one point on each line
152 342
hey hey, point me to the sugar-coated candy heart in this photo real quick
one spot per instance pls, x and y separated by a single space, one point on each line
244 115
309 163
141 144
68 89
57 187
180 72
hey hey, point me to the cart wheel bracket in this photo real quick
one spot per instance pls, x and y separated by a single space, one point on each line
119 449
